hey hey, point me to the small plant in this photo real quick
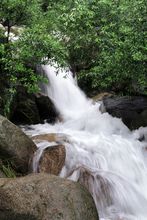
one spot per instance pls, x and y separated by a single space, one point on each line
7 169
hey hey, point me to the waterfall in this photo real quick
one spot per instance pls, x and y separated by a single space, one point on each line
101 152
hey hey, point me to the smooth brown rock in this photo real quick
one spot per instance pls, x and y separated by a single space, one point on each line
52 160
101 96
51 137
15 146
45 197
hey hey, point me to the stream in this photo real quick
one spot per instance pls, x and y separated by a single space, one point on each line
101 152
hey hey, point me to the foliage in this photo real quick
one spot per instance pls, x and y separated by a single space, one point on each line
7 169
27 36
102 40
106 43
35 41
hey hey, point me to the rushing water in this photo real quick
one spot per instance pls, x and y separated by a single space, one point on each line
101 152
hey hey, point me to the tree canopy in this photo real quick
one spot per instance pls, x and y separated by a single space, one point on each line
107 43
103 42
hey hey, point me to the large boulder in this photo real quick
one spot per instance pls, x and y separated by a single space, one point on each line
45 197
15 146
132 110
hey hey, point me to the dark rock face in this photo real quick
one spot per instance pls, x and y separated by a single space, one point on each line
46 108
15 146
132 110
45 197
32 108
24 109
26 113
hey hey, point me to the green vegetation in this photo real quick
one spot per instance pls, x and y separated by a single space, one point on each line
36 41
103 41
7 169
106 43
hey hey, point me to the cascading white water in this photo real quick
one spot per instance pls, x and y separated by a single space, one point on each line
101 152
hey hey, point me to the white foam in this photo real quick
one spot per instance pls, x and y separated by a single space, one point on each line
101 153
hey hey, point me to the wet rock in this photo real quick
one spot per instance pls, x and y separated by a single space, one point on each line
51 137
46 108
132 110
26 113
32 108
101 96
15 146
45 197
24 109
52 160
